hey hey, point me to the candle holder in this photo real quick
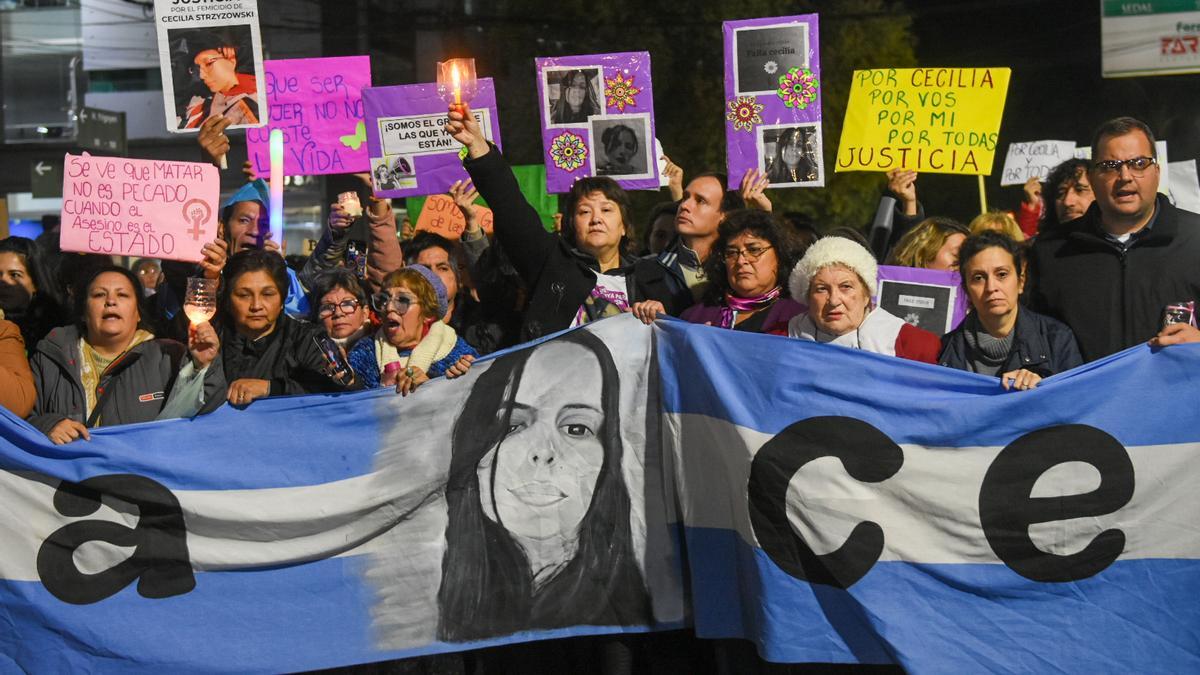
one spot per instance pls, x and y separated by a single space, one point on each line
456 81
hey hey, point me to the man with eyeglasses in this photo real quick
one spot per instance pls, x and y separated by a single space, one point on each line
232 94
1110 274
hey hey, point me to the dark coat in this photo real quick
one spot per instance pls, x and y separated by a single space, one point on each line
133 388
663 274
559 277
1040 345
1112 296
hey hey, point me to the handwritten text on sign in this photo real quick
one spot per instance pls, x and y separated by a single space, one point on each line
442 216
1034 160
937 120
317 104
138 207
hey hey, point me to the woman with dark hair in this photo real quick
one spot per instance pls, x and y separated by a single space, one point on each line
574 278
751 259
265 352
108 369
620 148
539 531
792 161
27 291
342 309
576 99
1000 337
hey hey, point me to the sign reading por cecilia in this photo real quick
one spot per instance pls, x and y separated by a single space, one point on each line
934 120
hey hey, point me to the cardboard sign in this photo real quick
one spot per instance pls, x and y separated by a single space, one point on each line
211 60
1034 160
139 207
441 215
773 100
930 299
934 120
597 115
317 104
410 153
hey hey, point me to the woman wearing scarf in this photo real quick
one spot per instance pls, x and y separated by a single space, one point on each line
751 255
838 279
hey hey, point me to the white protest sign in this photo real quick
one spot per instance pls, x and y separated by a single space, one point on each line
1185 186
1034 160
422 134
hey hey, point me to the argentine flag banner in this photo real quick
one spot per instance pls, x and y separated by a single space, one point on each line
827 504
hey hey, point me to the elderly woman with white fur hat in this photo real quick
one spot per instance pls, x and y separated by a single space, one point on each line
837 279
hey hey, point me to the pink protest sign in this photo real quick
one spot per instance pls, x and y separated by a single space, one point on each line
138 207
317 104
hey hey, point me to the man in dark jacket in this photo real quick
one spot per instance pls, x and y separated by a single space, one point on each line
1110 274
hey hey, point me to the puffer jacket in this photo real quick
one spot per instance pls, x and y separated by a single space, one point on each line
1040 345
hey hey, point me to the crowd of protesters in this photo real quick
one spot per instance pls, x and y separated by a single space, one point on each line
1094 261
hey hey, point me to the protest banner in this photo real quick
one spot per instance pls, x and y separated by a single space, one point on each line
211 60
930 299
410 153
1034 160
933 120
1149 37
317 104
597 115
773 100
864 509
440 215
139 207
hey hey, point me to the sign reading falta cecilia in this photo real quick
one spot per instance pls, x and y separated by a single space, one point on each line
138 207
935 120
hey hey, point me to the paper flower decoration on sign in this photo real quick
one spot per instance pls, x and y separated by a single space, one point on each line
568 151
620 92
798 88
744 113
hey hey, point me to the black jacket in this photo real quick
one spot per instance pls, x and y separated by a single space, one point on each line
663 275
559 277
1112 296
1040 345
133 388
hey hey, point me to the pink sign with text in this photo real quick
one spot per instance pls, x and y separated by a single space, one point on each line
138 207
317 104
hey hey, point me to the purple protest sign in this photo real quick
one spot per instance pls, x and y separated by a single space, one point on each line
773 100
410 153
598 119
317 104
929 299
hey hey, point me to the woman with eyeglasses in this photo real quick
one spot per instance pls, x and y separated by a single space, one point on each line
412 344
752 256
342 309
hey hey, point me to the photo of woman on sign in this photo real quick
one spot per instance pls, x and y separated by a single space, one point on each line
573 95
214 75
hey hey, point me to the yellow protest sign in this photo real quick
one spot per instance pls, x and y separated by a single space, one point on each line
935 120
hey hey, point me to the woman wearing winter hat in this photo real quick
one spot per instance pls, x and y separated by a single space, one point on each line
837 278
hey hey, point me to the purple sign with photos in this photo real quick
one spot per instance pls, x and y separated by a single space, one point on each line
773 100
929 299
598 119
411 155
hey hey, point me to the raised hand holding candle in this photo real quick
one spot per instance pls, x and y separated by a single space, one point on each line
456 82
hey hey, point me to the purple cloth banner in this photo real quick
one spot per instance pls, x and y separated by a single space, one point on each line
773 100
929 299
317 104
598 119
410 154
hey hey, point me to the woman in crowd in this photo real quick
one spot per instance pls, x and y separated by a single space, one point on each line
933 244
838 277
1000 337
17 392
574 278
792 162
752 254
341 308
265 352
997 221
413 344
27 292
108 369
576 99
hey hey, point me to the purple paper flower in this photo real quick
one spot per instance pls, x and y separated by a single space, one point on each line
798 88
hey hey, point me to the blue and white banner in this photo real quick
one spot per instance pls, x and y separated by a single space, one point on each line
842 506
836 505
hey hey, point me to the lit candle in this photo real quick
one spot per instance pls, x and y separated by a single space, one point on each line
457 83
277 186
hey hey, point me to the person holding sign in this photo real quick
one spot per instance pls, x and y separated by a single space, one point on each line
107 369
1000 337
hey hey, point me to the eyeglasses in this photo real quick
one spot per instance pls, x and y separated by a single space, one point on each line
382 302
752 253
204 65
1137 166
347 306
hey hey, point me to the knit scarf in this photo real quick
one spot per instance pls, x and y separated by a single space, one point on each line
988 353
734 304
435 346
